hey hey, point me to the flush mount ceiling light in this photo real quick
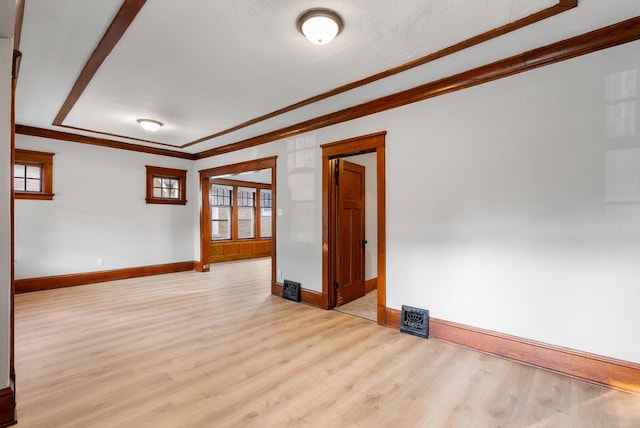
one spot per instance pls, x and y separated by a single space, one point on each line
150 125
320 26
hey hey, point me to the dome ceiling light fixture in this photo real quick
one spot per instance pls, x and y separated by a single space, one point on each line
150 124
320 26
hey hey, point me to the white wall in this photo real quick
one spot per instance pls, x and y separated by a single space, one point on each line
530 215
99 211
298 198
369 161
6 56
524 196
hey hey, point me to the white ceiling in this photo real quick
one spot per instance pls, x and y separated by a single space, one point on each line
204 66
260 176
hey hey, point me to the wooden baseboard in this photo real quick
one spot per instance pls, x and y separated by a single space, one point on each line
618 374
370 285
392 318
7 407
201 267
310 297
60 281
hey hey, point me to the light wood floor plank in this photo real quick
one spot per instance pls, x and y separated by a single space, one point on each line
217 350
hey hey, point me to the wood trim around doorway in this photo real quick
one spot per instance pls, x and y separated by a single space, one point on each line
205 175
371 143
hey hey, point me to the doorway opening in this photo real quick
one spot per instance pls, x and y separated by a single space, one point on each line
357 205
236 213
343 255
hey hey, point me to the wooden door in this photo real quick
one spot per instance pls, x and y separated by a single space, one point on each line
350 238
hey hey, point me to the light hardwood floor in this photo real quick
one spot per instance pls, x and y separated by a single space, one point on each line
217 350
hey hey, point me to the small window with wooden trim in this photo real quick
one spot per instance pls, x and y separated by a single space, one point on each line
166 185
33 175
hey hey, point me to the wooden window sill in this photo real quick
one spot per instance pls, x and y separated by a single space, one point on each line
37 196
167 201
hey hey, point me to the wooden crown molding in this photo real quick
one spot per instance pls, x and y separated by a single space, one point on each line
610 372
102 142
613 35
60 281
17 29
130 9
125 16
17 55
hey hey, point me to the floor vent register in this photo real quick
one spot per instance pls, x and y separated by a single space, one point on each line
415 321
291 290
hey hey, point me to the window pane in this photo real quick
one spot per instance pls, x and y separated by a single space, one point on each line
265 222
33 171
33 185
246 227
19 185
19 170
173 189
27 178
265 213
220 198
246 197
220 230
166 188
265 198
220 195
220 224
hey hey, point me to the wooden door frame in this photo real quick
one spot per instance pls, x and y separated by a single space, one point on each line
205 226
371 143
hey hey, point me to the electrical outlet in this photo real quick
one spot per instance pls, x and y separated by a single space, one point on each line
100 261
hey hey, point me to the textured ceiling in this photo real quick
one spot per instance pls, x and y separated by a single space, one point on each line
204 66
